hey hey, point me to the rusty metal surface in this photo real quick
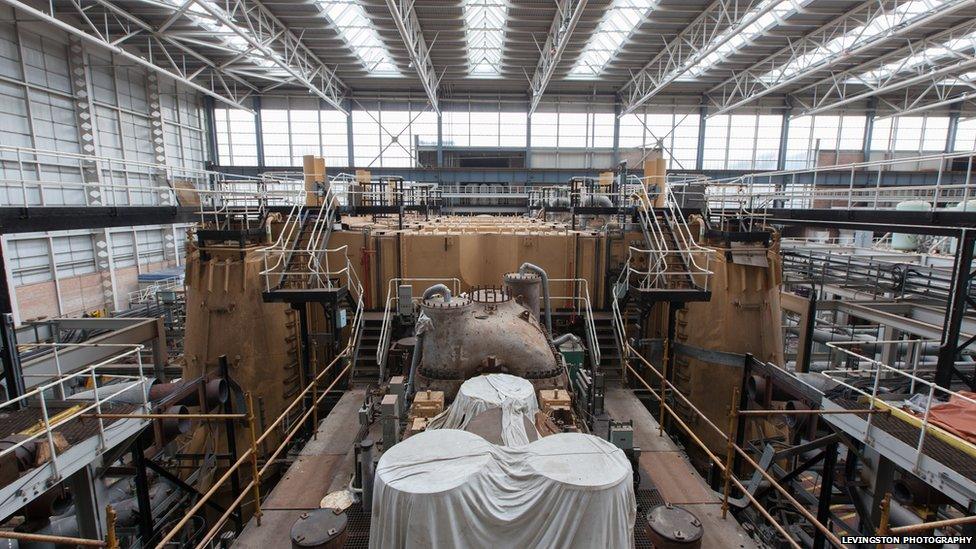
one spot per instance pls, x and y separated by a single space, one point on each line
487 333
673 527
74 431
935 448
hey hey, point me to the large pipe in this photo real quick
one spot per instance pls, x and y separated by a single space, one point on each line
599 200
127 512
870 344
529 267
414 363
436 289
564 338
215 392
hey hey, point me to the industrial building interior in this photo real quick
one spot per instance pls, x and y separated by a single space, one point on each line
487 273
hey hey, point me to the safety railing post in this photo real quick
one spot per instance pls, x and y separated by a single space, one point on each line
664 377
57 365
730 450
98 410
111 538
50 436
874 396
255 476
924 429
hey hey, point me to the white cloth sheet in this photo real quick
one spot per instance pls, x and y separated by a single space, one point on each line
514 395
449 488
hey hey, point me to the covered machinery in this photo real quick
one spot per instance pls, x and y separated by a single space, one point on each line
451 488
513 396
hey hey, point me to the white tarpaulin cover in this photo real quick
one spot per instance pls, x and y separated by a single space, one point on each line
451 488
514 395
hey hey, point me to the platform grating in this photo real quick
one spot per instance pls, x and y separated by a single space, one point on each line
934 447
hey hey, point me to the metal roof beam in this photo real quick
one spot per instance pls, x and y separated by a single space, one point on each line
405 17
252 22
807 55
917 68
568 13
698 40
209 80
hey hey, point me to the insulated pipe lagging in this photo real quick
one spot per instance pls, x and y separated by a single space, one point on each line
415 361
438 289
529 267
564 338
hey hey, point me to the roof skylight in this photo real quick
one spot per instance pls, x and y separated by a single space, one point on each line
742 38
484 22
619 22
228 36
357 30
950 48
903 15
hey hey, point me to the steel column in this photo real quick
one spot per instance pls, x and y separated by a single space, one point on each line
826 493
953 127
700 156
616 132
258 130
440 140
12 372
350 154
784 135
958 300
141 479
869 117
235 479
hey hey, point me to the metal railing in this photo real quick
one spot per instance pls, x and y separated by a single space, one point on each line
582 306
259 440
393 302
692 259
143 295
279 257
41 396
858 185
878 370
114 181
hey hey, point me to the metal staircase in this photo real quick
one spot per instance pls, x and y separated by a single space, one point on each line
674 267
297 265
366 370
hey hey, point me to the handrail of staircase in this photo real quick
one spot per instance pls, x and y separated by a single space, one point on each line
386 331
319 237
583 301
279 247
688 243
653 234
620 328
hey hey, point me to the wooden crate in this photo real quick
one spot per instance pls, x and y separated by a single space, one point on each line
554 399
427 404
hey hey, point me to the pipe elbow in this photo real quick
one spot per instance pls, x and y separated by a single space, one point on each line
438 289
